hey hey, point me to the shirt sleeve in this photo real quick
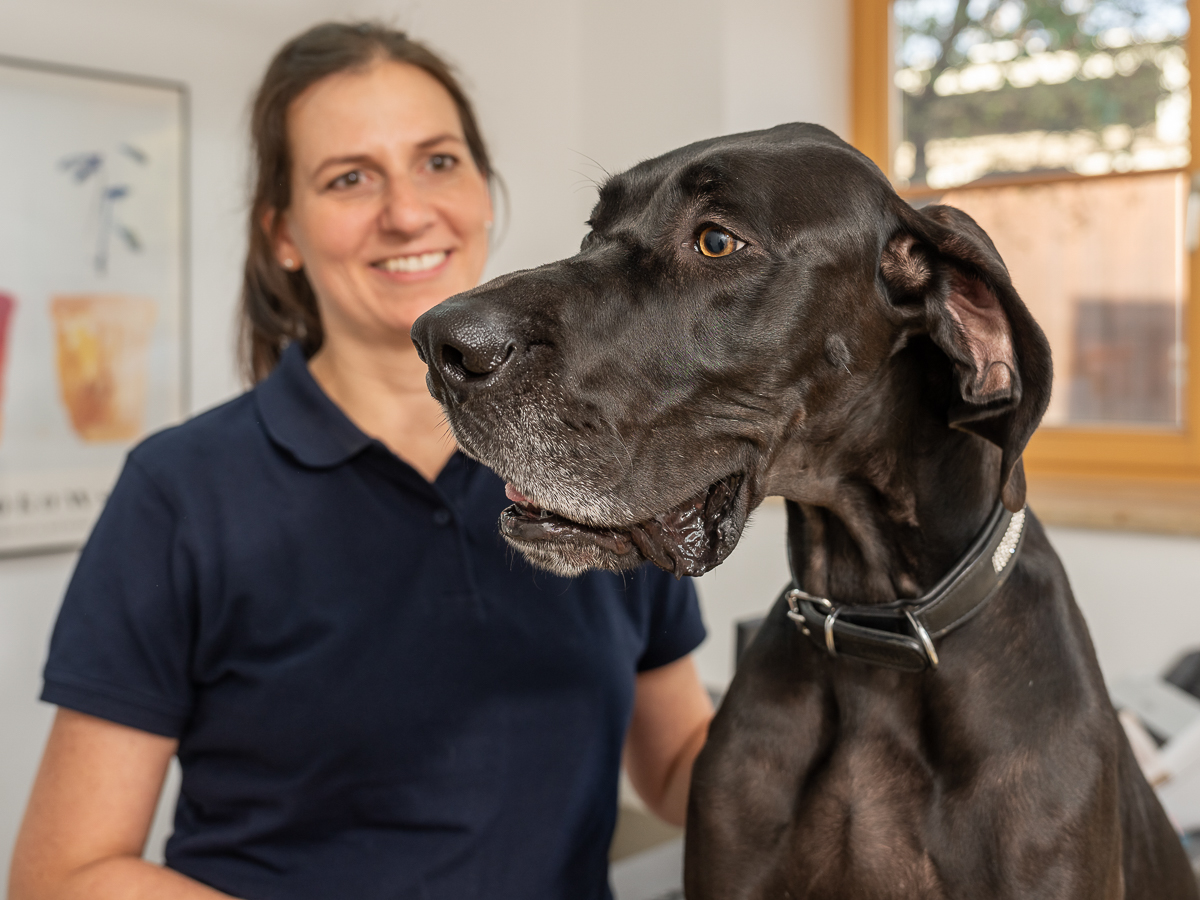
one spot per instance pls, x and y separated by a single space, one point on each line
675 627
121 646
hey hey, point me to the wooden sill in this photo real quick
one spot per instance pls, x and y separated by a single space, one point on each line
1157 506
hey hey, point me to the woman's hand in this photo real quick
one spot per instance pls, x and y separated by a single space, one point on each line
671 712
89 815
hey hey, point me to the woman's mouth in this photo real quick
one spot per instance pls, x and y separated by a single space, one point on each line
417 262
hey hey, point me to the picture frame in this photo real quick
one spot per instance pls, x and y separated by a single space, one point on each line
93 288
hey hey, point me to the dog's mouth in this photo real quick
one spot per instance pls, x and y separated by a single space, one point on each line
687 539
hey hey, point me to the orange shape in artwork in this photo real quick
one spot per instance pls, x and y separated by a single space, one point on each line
103 342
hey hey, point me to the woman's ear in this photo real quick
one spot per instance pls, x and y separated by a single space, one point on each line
1001 359
275 227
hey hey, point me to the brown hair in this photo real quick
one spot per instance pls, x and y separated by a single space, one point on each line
278 306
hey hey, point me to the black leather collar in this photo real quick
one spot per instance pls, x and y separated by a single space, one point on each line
900 635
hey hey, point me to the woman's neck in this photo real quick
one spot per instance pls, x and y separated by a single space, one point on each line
381 388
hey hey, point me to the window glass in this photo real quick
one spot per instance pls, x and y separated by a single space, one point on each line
1062 127
992 87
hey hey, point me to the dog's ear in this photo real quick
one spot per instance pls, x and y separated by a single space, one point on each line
944 262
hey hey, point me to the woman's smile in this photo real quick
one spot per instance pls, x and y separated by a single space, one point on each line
418 262
408 268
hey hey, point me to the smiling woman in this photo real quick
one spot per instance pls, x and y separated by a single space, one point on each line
299 87
303 594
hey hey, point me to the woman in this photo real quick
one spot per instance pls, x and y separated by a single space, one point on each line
302 593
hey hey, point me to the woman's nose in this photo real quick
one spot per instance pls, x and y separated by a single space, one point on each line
406 209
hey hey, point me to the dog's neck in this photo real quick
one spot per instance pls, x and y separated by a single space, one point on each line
884 508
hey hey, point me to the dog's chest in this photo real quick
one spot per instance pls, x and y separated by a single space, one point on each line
859 834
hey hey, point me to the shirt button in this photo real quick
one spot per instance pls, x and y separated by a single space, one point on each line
441 517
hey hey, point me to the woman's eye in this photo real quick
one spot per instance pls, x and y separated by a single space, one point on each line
350 179
714 241
442 162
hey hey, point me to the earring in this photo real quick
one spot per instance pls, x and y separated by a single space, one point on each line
289 264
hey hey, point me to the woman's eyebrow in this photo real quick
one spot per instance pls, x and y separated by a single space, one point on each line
438 139
359 159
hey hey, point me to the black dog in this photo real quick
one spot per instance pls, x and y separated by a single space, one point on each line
758 315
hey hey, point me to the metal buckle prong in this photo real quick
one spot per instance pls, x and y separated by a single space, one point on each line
793 597
793 602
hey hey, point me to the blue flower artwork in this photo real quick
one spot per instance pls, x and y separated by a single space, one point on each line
93 167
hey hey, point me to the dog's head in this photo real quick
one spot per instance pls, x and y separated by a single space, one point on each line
733 300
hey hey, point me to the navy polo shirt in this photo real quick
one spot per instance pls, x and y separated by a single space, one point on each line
373 696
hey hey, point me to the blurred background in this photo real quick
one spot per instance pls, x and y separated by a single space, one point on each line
1062 126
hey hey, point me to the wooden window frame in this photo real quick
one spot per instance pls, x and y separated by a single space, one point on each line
1090 476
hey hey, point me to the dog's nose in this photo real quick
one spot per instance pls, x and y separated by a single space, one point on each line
463 348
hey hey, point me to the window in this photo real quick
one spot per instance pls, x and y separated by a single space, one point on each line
1062 126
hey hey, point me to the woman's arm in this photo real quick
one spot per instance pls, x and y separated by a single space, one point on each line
89 814
671 712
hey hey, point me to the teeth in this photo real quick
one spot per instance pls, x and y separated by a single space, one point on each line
419 263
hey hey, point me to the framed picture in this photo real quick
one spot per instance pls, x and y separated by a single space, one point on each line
93 275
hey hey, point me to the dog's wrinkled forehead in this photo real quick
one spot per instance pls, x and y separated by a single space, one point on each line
774 182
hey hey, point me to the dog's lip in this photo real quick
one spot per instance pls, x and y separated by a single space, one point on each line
685 539
514 495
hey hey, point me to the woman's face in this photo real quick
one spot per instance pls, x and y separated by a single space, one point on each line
389 214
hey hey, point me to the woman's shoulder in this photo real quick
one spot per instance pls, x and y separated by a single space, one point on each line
204 441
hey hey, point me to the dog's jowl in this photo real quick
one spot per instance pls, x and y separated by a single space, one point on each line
922 715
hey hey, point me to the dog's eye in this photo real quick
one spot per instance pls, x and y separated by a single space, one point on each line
714 241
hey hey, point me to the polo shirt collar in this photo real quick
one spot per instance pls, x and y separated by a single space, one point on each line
300 417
